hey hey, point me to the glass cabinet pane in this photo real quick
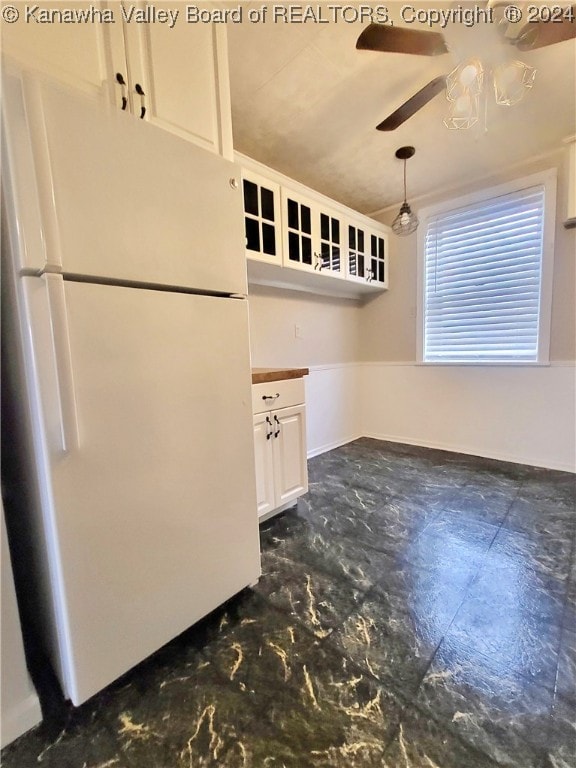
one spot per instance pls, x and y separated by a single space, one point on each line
330 242
250 197
252 234
306 219
267 203
260 218
355 251
306 250
293 246
293 218
269 239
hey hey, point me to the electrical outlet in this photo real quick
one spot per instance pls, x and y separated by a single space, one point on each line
298 332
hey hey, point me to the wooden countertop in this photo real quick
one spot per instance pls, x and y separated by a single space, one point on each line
264 375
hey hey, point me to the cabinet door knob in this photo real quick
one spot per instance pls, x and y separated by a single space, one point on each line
120 80
140 91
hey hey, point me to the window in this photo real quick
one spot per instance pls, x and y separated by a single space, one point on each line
485 277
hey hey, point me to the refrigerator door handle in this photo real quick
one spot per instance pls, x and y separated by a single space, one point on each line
63 362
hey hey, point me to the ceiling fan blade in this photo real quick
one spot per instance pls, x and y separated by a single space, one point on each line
540 34
383 37
413 104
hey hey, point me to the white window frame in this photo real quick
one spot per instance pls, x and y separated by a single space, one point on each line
548 179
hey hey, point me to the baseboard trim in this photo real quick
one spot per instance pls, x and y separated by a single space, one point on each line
20 719
513 459
330 446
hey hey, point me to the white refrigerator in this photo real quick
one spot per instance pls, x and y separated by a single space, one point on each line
124 261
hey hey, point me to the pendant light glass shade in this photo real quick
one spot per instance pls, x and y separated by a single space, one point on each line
406 222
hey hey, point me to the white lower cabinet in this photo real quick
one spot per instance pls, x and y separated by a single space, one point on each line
280 445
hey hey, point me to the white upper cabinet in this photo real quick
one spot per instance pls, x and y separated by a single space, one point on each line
314 244
262 219
183 74
312 235
176 78
300 232
79 54
331 232
366 252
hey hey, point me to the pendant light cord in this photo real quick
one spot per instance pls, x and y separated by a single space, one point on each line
405 198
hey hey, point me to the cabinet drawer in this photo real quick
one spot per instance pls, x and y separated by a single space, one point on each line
277 394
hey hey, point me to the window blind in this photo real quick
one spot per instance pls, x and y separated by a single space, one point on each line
483 270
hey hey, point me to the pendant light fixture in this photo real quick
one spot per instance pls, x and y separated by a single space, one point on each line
406 222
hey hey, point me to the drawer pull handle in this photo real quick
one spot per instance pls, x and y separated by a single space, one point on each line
271 397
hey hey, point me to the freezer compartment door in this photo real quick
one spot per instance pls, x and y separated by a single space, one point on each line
152 494
119 198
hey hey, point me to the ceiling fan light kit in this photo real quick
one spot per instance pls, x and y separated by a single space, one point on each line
466 84
464 112
406 221
511 81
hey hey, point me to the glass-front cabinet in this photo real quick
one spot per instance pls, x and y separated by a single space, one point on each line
312 235
301 240
331 234
367 254
262 218
299 234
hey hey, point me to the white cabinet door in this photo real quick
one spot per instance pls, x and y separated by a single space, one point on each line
299 232
150 507
290 467
330 228
263 435
79 54
366 253
313 235
177 78
183 73
262 219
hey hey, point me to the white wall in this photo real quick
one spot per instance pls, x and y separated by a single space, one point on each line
364 376
524 414
333 406
521 414
19 705
329 328
329 345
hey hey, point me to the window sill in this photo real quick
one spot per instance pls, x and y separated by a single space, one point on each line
487 363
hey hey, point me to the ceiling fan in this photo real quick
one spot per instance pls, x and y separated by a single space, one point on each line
390 39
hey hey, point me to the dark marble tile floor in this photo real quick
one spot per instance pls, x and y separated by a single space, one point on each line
416 610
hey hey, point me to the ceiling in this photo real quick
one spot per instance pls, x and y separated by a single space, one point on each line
306 102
